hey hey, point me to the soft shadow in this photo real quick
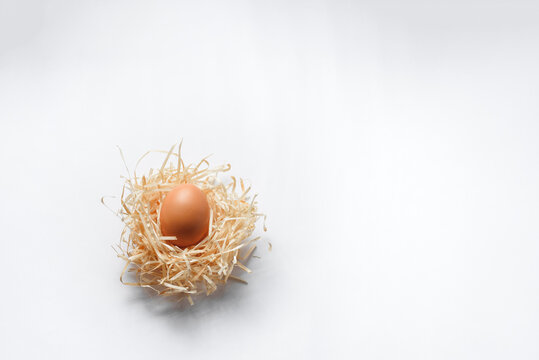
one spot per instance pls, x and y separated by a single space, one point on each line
186 318
226 302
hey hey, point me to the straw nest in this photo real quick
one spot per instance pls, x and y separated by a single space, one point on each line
171 270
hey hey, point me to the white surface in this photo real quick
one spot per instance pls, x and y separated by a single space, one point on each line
394 146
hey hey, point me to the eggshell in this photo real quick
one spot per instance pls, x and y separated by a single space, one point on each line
185 213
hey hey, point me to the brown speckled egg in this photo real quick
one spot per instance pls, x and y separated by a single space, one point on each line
185 213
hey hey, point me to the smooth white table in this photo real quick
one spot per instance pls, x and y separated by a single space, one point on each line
394 147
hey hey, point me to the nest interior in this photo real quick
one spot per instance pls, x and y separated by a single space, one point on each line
171 270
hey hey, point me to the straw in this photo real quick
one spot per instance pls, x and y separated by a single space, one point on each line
202 268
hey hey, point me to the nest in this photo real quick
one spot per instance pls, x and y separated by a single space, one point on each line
202 268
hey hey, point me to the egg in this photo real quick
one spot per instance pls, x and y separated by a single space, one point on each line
185 213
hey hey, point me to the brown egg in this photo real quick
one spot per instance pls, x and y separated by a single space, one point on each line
185 213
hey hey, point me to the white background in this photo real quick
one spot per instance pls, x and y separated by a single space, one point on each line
394 145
